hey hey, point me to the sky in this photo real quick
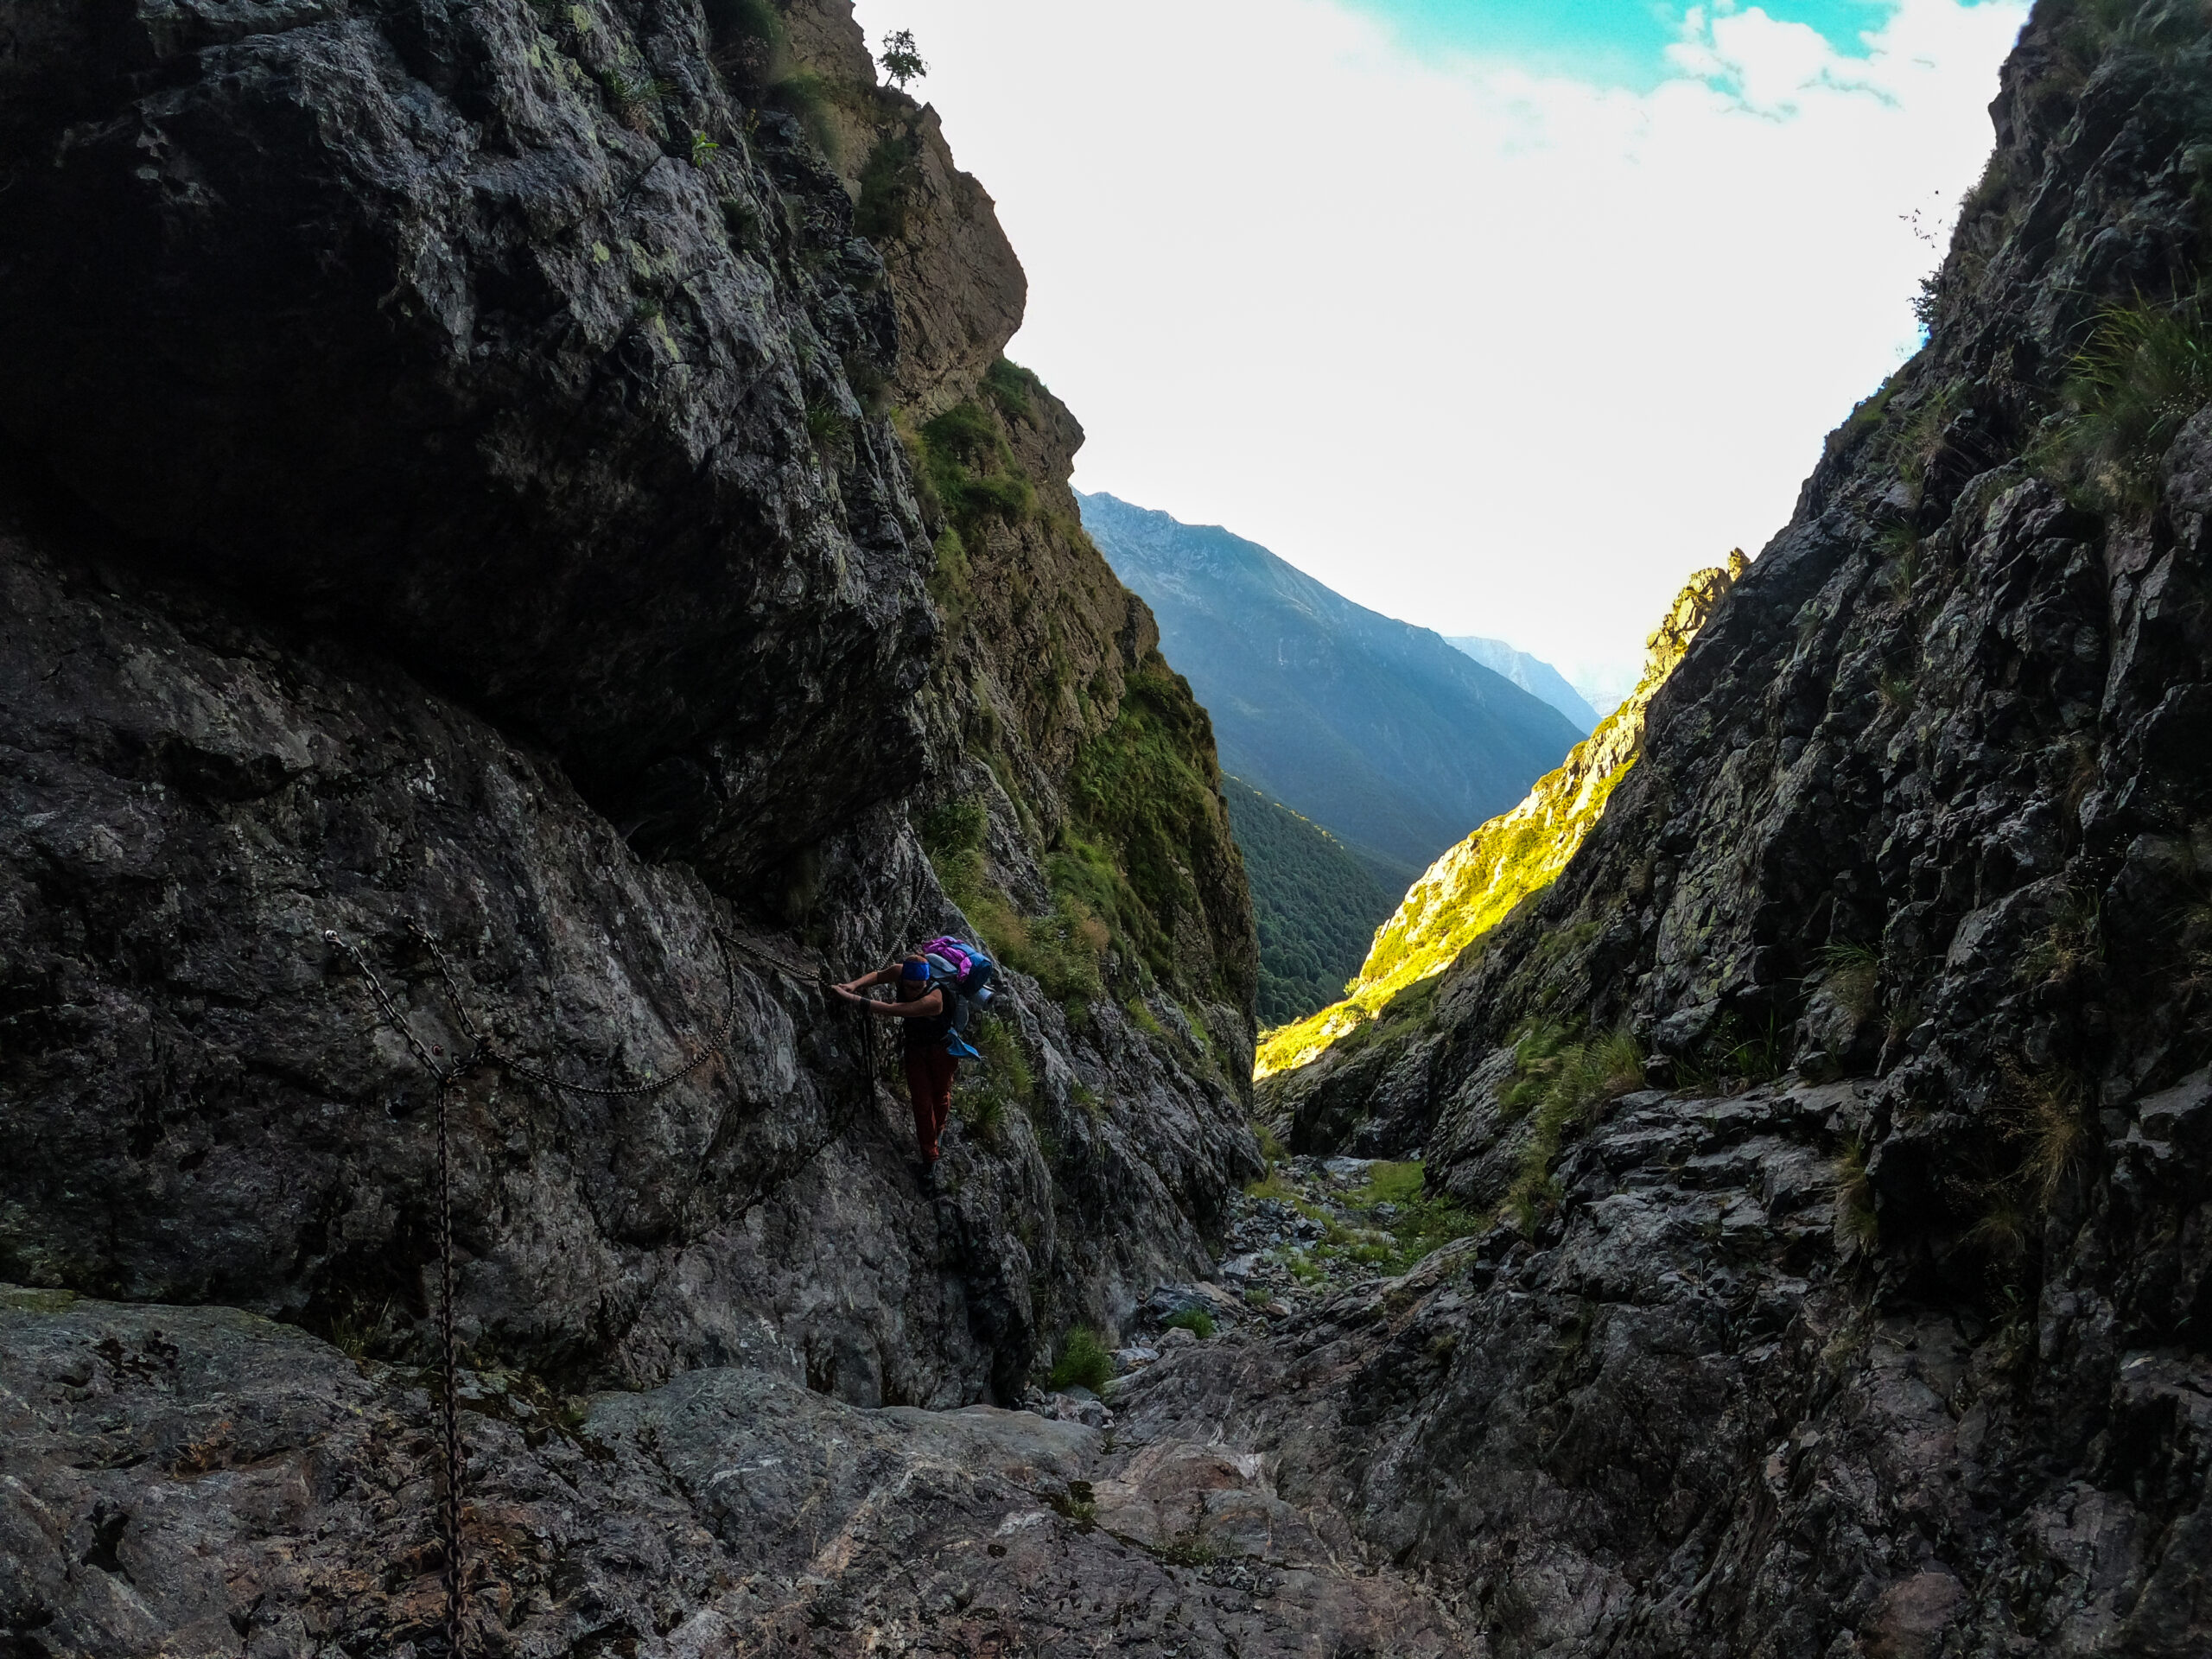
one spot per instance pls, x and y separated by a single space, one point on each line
1499 316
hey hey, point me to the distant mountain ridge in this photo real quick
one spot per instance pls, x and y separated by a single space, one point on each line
1532 674
1378 730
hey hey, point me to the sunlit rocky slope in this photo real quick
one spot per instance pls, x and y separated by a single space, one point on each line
1478 883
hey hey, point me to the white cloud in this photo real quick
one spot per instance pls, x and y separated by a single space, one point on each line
1497 352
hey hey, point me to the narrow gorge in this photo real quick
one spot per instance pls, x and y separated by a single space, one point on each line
524 560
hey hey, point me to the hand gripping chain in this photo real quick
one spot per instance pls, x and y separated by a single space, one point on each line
482 1053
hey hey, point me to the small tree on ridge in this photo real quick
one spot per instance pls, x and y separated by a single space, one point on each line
899 59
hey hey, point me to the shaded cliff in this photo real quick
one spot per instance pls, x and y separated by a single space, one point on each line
1877 1330
455 490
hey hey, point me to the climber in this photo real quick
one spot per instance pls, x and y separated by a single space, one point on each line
932 1013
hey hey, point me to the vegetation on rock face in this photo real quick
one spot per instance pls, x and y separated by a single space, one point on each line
1084 1362
2145 371
1127 839
1477 884
1317 904
1558 1082
971 470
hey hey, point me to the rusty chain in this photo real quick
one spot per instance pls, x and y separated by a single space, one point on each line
481 1051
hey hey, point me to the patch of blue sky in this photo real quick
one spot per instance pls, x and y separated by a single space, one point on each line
1613 42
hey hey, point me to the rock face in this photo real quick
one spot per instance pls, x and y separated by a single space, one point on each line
1903 1352
201 1481
451 495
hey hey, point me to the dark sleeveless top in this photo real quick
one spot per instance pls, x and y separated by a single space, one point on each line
929 1031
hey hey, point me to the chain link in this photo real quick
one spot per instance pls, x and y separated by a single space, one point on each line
449 1366
481 1051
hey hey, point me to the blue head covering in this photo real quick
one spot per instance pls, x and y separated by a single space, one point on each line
914 973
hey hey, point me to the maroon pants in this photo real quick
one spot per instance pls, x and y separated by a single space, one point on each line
928 1080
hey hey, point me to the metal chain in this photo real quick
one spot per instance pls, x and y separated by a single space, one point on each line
481 1053
449 1365
485 1049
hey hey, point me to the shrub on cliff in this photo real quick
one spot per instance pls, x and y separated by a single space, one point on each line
971 471
2145 371
1558 1084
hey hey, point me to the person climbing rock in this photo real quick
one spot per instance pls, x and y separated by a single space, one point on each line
930 1004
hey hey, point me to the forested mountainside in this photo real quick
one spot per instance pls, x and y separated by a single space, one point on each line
1374 729
1532 674
1316 904
1844 1105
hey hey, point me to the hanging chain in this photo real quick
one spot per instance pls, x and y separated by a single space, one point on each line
448 1364
482 1053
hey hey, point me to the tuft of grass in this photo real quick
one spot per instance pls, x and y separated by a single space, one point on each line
1080 1505
1853 973
1914 437
888 182
1012 387
1192 1548
1272 1186
2073 943
1732 1053
1857 1226
985 1088
954 826
1901 561
2003 1228
1866 417
2146 370
703 149
1559 1085
2044 1114
1196 1320
825 425
1894 687
971 471
806 96
1392 1183
635 98
1084 1362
